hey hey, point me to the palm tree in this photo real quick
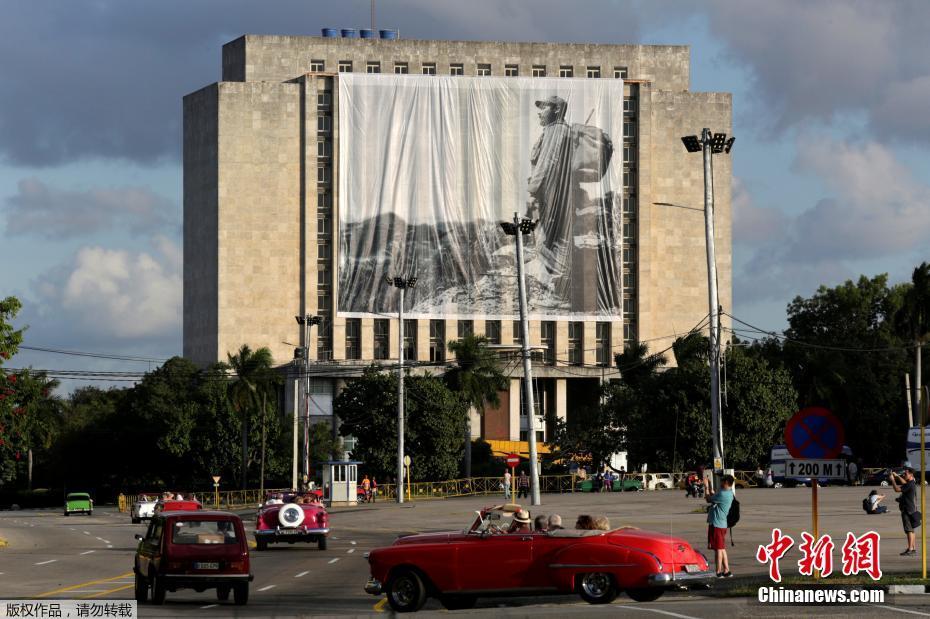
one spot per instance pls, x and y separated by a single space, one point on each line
913 320
636 364
477 378
254 378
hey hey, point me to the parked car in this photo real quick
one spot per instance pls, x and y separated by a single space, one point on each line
193 550
658 481
627 485
484 560
79 503
291 522
882 477
144 507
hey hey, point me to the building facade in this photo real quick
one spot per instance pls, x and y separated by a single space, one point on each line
260 221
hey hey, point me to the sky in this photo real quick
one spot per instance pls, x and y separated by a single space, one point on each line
831 163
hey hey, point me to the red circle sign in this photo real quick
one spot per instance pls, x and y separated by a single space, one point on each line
513 460
814 433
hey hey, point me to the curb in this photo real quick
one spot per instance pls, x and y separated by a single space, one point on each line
906 589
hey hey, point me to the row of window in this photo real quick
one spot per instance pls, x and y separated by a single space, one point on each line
437 339
458 68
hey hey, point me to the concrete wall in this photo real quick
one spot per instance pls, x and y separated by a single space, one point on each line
279 58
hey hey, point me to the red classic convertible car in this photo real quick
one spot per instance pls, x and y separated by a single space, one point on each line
485 560
287 520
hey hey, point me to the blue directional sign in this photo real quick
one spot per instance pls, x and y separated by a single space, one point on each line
814 433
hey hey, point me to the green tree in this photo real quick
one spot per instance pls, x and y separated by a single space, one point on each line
254 379
477 378
434 417
38 414
11 443
913 317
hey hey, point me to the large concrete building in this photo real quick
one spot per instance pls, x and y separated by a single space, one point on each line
259 219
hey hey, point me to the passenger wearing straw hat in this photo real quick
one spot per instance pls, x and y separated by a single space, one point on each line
521 523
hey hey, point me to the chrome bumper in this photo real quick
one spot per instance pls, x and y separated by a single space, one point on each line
682 579
274 532
373 587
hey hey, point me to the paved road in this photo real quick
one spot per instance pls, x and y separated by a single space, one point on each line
86 557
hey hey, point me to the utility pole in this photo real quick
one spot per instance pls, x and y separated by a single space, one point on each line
709 144
518 228
401 284
295 431
306 321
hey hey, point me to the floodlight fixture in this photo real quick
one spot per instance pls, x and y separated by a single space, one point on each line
692 143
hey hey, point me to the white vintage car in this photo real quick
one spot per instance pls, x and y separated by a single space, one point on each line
143 508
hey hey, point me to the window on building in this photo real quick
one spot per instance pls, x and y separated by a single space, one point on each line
401 68
323 173
602 343
629 304
324 200
324 342
629 154
324 99
410 340
629 280
629 105
511 70
323 303
429 68
629 253
324 123
620 73
353 338
323 251
492 331
575 343
456 69
382 329
484 69
345 66
324 148
373 67
317 66
323 275
466 328
566 71
629 231
629 129
539 70
323 227
629 331
593 72
540 435
547 339
517 332
437 341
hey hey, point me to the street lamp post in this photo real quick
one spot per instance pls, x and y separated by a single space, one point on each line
401 284
306 321
709 144
517 228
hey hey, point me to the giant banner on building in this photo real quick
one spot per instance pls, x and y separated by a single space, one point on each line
430 165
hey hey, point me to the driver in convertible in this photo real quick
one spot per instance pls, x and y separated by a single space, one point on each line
521 523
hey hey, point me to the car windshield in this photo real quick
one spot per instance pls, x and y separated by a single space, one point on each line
204 532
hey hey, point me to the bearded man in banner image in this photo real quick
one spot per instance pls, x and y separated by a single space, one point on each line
576 236
550 188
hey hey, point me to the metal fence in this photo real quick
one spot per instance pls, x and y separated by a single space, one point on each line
228 499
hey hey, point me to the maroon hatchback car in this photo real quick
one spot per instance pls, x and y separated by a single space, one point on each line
196 550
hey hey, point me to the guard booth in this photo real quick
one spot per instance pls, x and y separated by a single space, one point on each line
340 482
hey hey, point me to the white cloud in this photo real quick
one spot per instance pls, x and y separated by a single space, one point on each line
117 293
53 213
754 224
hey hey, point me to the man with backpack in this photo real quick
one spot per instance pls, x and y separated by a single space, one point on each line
718 521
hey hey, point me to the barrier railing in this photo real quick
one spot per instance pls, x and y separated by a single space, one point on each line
228 499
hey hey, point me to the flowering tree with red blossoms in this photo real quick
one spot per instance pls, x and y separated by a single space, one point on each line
11 439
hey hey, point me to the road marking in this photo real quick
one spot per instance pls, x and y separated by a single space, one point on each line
379 607
46 562
667 613
87 552
903 610
101 539
86 532
265 588
208 606
331 561
352 542
301 575
94 595
109 545
83 584
350 551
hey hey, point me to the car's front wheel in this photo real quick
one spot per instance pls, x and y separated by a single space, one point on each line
222 593
645 595
597 588
142 590
241 594
322 543
158 590
406 592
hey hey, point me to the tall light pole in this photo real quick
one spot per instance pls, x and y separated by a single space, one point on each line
306 322
709 144
517 228
401 284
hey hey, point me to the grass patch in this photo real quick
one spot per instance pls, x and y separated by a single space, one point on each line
749 586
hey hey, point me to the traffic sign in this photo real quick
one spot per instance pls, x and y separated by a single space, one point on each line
216 479
513 460
816 469
406 460
814 433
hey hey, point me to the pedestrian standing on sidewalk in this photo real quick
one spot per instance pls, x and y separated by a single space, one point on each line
507 481
374 488
523 485
720 503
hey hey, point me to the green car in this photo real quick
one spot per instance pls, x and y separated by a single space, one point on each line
627 484
79 503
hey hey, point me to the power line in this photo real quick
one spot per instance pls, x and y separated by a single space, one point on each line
78 353
785 338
